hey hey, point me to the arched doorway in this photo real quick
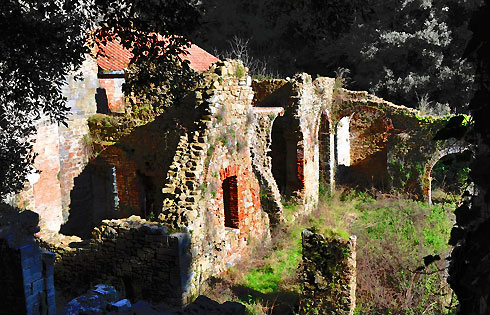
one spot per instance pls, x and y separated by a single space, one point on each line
448 177
450 148
287 157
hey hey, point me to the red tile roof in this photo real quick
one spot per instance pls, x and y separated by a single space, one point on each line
116 58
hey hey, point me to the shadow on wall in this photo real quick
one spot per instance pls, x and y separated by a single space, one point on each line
94 197
371 172
127 178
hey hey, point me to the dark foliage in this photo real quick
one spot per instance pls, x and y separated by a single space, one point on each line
469 272
400 50
43 41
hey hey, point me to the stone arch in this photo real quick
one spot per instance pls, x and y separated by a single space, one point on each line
287 157
448 147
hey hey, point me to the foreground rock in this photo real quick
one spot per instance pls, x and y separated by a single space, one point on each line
103 299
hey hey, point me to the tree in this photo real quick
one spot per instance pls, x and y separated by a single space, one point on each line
43 41
407 50
469 274
402 50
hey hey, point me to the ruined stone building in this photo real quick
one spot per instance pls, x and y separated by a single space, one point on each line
185 196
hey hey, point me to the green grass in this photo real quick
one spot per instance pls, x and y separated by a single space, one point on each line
393 236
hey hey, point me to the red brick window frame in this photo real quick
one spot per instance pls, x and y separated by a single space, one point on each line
230 201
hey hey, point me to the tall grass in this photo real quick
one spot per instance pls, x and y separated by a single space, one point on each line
393 236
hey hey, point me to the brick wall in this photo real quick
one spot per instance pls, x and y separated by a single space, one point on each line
62 153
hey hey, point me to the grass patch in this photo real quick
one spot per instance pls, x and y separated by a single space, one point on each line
393 236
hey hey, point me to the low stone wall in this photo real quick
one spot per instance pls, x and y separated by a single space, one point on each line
328 275
136 256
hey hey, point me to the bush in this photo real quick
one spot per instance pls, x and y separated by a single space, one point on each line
393 237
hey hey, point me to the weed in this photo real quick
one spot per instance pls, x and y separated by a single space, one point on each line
239 71
223 140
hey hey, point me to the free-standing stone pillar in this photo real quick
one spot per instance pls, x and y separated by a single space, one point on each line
328 274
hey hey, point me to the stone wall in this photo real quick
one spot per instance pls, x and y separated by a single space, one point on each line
140 258
27 279
208 157
327 275
270 198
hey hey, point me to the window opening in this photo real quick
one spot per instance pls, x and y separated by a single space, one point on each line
230 200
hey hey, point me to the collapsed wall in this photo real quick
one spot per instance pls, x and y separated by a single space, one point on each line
190 169
140 258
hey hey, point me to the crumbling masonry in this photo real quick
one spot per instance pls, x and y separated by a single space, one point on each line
185 196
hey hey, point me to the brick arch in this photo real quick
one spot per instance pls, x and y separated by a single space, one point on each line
231 170
347 109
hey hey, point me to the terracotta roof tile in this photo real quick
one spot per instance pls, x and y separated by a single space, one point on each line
116 58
